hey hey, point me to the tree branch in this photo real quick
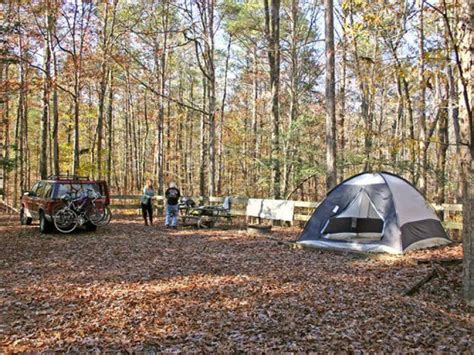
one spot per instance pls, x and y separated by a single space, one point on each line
169 98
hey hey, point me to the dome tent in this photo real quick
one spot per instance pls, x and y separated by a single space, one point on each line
374 212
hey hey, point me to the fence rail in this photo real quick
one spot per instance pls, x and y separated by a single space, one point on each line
303 209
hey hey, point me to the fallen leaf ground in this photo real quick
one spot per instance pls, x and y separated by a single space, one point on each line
128 287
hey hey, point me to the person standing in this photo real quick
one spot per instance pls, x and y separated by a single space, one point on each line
172 196
146 199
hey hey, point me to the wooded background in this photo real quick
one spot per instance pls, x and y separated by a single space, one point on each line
228 97
264 98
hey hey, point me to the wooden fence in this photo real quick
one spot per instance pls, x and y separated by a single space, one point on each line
303 209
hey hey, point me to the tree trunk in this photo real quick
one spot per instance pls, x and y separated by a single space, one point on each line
342 97
3 131
43 161
100 118
104 76
442 149
189 152
422 104
75 166
56 166
453 99
180 138
21 133
161 116
221 123
411 122
110 130
25 171
467 152
6 147
365 104
272 31
331 172
202 157
134 143
212 136
167 154
255 146
77 58
290 151
19 138
126 139
144 142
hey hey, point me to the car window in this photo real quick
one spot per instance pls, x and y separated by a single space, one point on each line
46 193
75 189
35 187
40 190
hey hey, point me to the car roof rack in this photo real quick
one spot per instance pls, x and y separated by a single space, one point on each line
68 177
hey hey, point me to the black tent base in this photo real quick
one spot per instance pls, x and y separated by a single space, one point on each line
370 249
349 247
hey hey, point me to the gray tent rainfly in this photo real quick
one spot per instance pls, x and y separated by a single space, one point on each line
374 212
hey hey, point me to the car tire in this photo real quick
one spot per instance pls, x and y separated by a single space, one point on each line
24 220
45 226
90 227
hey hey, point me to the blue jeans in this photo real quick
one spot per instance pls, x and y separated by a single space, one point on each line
172 212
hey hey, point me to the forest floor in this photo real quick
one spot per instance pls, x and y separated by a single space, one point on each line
129 287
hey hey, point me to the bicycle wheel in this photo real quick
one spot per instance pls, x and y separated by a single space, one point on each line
106 217
96 215
65 220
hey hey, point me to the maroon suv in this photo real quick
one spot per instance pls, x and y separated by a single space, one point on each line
44 198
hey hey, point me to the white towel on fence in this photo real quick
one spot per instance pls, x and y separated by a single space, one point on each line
281 210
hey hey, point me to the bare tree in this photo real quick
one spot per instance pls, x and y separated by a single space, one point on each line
423 147
47 36
110 134
106 43
202 139
202 33
467 149
220 151
77 21
55 157
331 173
272 34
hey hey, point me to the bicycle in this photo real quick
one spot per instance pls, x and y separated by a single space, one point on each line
81 211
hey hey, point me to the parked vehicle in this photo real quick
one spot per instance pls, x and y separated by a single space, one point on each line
49 196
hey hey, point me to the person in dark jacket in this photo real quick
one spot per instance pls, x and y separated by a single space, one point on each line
172 196
146 199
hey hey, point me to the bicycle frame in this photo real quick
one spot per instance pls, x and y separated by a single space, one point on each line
79 206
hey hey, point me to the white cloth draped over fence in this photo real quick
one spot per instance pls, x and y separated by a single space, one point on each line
280 210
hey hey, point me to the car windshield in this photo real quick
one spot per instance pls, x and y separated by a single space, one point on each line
75 190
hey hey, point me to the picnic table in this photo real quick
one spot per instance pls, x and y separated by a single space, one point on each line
205 216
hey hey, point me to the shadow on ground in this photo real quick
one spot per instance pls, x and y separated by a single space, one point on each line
130 287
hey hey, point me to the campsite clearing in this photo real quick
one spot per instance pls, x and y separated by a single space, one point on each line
135 288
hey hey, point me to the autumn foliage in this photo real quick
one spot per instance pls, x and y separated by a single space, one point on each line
133 288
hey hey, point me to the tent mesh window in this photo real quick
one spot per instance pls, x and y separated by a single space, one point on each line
360 220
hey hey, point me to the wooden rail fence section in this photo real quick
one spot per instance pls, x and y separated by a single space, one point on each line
7 209
303 209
